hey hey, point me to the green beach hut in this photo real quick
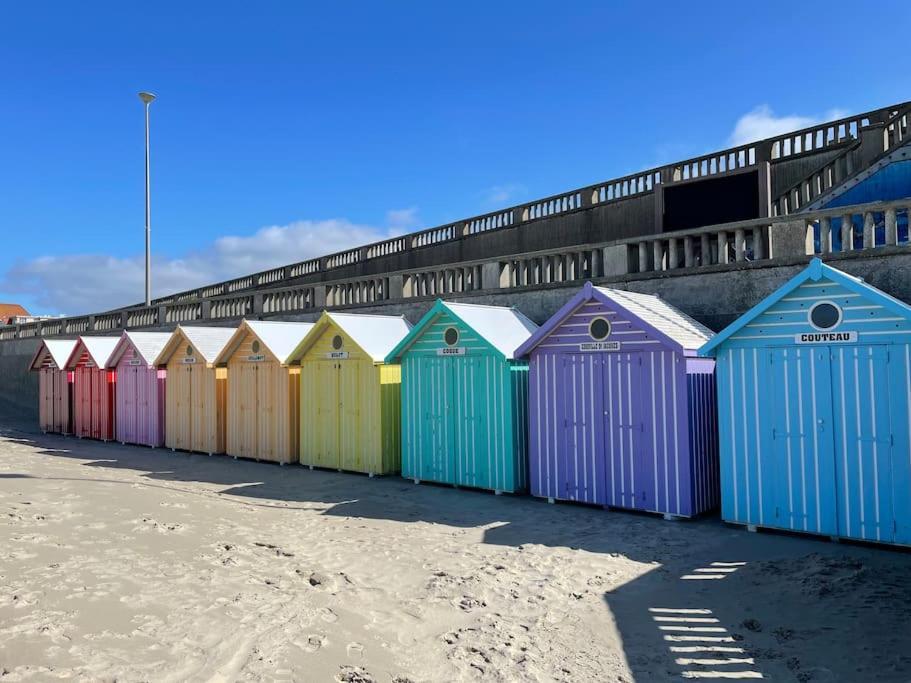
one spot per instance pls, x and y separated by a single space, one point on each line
465 397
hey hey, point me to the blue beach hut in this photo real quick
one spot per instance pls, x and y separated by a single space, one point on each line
814 408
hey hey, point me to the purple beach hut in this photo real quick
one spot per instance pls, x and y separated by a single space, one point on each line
621 411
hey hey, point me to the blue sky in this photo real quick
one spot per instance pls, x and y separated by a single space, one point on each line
288 130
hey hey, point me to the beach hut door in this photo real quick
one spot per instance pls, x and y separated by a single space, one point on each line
437 455
863 442
581 473
802 440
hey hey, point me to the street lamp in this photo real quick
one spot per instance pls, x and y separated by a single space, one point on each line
147 98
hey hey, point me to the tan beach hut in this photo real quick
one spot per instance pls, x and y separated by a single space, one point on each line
263 395
195 396
55 385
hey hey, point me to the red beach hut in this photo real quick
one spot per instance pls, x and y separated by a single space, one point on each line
55 385
140 393
93 387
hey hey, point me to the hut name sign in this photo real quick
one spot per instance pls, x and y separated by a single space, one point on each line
190 360
256 358
451 351
337 355
825 337
134 361
600 346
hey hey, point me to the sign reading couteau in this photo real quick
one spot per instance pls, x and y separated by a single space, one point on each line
451 351
600 346
846 337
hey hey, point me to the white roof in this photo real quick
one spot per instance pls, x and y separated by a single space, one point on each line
99 348
59 350
209 341
672 322
505 328
280 338
377 335
147 344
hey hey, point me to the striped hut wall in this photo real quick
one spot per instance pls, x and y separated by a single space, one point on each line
342 419
93 399
900 396
610 427
814 437
140 396
703 434
390 378
458 419
263 406
519 375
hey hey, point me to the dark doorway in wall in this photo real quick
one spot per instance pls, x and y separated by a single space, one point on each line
711 201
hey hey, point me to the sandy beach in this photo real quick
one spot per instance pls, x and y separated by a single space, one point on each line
133 564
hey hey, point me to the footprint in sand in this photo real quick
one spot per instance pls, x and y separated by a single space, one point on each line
327 615
314 642
355 650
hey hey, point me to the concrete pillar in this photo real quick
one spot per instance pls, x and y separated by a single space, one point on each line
162 312
616 260
705 257
723 247
658 254
739 244
869 230
688 252
758 246
891 228
672 253
825 235
789 238
597 262
319 296
847 232
490 275
396 287
643 257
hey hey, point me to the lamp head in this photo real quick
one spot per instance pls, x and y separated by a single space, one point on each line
146 97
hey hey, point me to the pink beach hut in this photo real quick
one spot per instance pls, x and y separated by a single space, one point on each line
140 395
93 388
55 385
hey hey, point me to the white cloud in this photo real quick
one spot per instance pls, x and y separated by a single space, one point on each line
500 195
762 122
87 283
403 219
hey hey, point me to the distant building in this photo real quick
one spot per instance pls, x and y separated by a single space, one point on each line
11 314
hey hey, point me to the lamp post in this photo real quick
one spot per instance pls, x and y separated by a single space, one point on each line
147 98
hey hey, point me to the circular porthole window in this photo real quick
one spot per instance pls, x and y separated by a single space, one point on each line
451 336
255 346
599 329
189 350
825 315
337 342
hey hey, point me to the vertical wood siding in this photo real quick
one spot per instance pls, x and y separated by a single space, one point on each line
55 398
617 428
263 401
350 417
93 401
195 406
140 413
460 422
815 438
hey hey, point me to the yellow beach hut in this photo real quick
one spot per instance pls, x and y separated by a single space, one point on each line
350 402
196 390
263 393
